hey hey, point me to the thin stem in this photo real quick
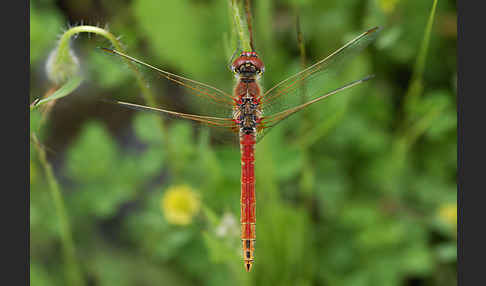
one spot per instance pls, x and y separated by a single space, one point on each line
303 56
63 53
416 86
146 92
407 135
248 21
73 274
240 28
306 182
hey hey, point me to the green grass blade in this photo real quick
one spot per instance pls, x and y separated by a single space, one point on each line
72 273
66 89
420 64
416 85
240 27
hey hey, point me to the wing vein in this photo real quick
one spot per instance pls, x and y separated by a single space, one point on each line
218 121
323 61
276 118
223 96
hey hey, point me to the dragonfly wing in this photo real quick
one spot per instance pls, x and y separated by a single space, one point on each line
208 99
270 121
207 120
313 81
225 131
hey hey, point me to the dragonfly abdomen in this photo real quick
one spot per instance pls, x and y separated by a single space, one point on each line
248 202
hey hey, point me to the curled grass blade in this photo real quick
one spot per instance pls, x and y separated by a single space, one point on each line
66 89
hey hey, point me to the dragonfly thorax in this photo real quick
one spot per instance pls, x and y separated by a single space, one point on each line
247 114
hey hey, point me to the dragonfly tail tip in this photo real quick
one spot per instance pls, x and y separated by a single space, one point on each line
248 265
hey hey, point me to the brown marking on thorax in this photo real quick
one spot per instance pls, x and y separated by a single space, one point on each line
242 88
247 112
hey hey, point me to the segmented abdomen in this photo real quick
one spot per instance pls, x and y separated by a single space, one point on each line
248 220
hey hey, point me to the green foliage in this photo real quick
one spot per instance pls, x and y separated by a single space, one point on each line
45 24
160 16
105 179
359 190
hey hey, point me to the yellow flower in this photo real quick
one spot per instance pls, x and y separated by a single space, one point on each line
448 214
388 5
179 204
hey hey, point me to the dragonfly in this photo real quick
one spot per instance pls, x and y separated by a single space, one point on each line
252 112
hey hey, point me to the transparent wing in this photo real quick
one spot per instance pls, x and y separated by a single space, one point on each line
271 120
208 120
220 132
206 98
186 99
314 81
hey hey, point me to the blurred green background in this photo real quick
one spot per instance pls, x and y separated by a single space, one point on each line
357 190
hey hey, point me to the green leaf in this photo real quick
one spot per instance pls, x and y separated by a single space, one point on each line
147 128
150 162
93 155
64 90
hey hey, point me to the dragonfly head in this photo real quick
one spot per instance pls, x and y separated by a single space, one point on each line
248 64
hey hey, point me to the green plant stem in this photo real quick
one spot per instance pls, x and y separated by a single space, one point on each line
306 183
409 130
412 129
240 27
64 51
64 55
416 86
73 274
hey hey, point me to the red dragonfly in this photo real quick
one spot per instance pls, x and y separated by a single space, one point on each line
253 112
